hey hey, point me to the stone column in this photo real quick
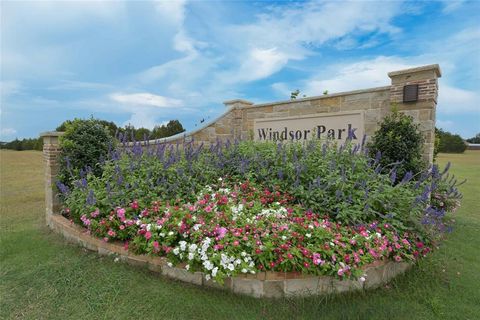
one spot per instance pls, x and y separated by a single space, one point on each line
236 107
424 108
51 152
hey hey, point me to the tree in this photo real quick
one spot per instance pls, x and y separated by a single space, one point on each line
450 143
475 139
173 127
111 126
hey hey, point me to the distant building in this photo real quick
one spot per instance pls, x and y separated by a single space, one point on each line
473 146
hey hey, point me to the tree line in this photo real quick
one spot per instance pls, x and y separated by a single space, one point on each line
131 133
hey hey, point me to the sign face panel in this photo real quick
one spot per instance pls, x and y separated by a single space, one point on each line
327 126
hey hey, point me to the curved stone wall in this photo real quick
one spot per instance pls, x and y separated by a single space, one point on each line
263 284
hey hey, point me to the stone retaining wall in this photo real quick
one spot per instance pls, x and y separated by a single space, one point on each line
263 284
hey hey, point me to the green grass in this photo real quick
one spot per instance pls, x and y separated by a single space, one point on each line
41 277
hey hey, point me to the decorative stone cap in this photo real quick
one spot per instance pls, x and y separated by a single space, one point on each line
237 103
51 137
51 134
430 67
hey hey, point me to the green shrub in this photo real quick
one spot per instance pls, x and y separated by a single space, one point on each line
398 141
450 143
83 146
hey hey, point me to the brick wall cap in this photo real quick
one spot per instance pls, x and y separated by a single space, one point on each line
434 67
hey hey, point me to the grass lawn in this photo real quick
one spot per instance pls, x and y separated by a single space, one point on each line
41 277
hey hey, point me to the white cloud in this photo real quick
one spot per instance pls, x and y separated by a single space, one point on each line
172 11
357 75
146 99
7 132
294 30
445 124
261 63
451 5
145 108
453 100
8 88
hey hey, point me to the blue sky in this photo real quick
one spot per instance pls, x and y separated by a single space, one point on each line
146 62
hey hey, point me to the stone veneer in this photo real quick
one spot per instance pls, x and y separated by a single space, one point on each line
263 284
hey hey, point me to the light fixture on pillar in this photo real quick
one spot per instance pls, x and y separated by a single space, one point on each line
410 93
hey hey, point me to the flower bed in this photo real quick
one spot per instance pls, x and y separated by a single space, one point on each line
247 208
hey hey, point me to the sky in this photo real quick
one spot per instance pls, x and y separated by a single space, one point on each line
147 62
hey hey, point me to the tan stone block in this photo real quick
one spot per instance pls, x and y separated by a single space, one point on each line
363 96
372 115
249 287
328 102
427 125
374 276
425 115
308 110
301 287
419 105
271 275
412 113
139 261
263 109
282 114
355 105
281 108
182 275
274 289
346 285
401 267
103 251
409 78
255 115
371 128
226 285
223 130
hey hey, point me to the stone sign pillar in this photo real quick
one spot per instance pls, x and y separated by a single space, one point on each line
414 92
237 121
51 152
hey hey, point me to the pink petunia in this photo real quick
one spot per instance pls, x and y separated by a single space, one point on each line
148 235
221 232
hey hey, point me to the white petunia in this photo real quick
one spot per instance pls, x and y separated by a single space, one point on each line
183 245
176 251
